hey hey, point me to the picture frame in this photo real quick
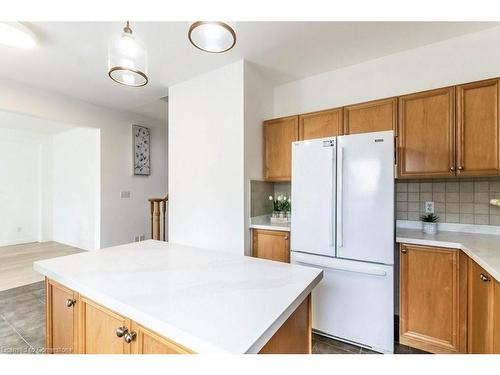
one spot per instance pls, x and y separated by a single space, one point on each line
141 150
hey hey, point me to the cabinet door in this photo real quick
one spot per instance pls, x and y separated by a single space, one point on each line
427 134
478 138
431 317
480 327
271 244
372 116
61 319
321 124
278 137
98 327
148 342
496 318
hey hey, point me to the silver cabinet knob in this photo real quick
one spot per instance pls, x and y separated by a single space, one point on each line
129 336
70 302
452 168
460 167
484 278
286 237
121 331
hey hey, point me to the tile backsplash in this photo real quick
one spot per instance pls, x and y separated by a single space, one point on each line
464 201
260 192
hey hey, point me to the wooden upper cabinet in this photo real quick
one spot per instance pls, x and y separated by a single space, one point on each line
321 124
433 299
374 116
98 327
481 310
271 244
278 137
61 319
478 136
427 134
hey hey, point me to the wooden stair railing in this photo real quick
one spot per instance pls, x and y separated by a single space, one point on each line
158 205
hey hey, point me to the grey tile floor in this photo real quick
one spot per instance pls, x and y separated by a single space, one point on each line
22 319
22 326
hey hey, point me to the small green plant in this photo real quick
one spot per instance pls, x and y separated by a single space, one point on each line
282 203
429 218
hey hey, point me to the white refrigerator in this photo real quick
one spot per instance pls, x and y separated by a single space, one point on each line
343 223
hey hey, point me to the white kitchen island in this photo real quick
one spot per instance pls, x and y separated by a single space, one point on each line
199 300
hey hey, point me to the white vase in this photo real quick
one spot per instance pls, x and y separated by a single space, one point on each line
429 228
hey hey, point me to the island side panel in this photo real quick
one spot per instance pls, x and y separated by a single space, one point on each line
295 335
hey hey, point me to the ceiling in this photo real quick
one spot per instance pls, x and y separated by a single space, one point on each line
71 57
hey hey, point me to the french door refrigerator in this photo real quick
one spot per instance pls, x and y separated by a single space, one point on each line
343 222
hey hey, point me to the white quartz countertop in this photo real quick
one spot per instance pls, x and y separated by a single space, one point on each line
208 301
484 249
264 222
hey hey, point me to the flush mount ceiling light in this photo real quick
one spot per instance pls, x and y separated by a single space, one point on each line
15 34
212 36
127 59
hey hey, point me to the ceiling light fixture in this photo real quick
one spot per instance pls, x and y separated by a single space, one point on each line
127 59
212 36
15 34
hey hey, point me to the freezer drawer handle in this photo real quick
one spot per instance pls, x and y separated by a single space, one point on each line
365 271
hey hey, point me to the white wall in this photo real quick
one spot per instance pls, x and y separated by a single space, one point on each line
206 160
76 188
458 60
258 107
20 185
121 219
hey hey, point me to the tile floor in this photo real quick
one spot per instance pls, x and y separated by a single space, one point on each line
22 319
22 326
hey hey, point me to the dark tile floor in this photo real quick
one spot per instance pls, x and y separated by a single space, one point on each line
22 326
22 319
324 345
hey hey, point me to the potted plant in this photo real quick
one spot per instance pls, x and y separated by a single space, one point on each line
429 223
281 208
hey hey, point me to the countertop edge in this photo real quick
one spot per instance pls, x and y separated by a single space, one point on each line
266 336
454 245
270 227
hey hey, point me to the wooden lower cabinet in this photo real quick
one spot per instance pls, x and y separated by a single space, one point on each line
433 299
271 244
61 319
98 330
86 327
148 342
484 312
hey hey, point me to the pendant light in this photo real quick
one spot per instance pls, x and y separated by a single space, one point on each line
127 59
212 36
15 34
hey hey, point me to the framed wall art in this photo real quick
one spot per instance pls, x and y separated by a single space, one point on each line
142 150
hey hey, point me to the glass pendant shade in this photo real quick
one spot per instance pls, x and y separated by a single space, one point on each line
212 36
127 59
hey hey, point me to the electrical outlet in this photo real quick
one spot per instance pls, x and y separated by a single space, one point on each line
19 229
125 194
429 207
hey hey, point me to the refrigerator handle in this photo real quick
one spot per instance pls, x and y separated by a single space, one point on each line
340 186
